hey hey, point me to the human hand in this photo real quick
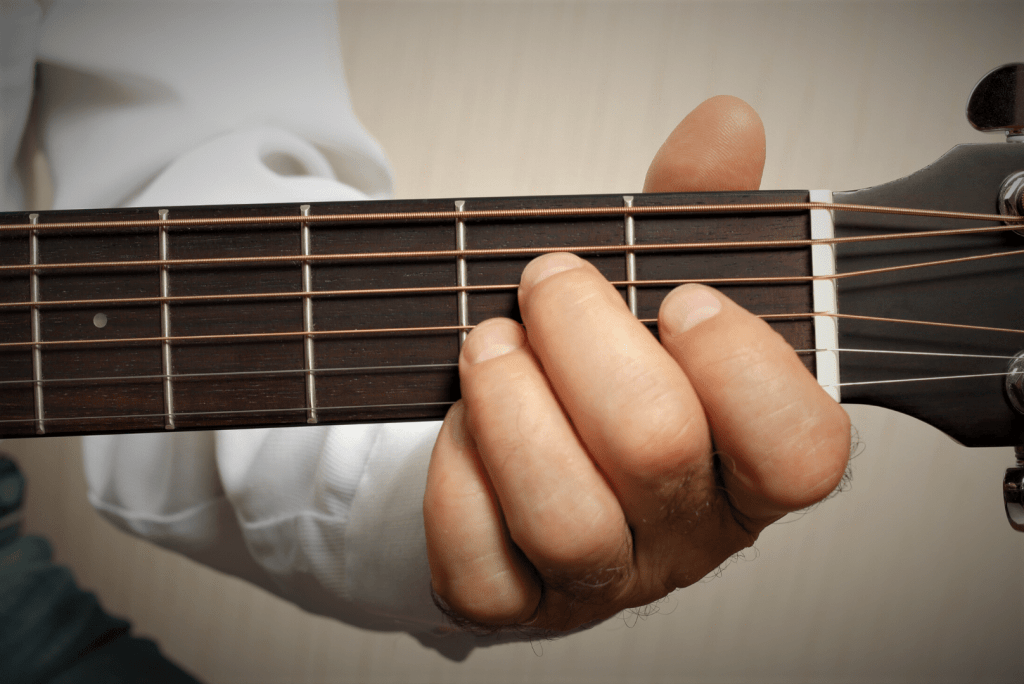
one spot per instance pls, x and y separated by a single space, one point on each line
588 468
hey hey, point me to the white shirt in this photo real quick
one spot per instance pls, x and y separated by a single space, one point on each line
163 104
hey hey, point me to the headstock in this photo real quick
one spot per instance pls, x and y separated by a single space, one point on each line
971 396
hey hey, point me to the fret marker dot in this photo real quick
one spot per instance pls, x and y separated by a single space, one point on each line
100 320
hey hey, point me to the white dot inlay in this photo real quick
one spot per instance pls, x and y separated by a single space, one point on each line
100 320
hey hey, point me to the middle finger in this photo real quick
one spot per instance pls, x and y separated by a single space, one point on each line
634 408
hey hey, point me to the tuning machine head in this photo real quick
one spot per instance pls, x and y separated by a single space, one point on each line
997 102
1013 495
1013 480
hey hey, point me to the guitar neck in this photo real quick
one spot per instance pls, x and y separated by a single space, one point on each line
193 320
218 317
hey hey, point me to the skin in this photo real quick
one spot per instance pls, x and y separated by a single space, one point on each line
588 468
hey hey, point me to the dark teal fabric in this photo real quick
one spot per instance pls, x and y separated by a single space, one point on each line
52 632
12 489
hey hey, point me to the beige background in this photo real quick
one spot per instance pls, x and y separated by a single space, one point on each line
912 576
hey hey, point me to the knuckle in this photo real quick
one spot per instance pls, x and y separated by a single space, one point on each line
662 438
692 500
491 600
559 545
656 417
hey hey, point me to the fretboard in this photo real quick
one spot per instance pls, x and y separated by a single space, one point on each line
302 321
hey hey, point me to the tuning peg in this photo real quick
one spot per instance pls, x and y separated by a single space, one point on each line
1013 492
997 102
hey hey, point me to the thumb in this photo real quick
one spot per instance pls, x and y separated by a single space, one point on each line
718 146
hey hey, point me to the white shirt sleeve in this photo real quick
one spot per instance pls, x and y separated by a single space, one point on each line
152 104
19 40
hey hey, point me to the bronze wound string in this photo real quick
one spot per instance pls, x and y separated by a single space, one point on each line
444 289
506 251
556 212
524 213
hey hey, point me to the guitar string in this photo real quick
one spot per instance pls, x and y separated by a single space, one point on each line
397 405
235 374
502 214
507 214
228 412
518 213
493 252
902 351
404 367
439 329
882 319
410 405
479 288
448 289
899 380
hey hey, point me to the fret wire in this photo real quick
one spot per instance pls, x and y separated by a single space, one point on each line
551 212
503 252
630 240
37 352
165 325
462 272
442 289
307 319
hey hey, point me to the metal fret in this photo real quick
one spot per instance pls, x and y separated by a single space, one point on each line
630 257
37 352
307 320
463 273
165 325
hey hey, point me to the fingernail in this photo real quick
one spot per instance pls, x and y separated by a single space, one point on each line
491 339
689 306
548 265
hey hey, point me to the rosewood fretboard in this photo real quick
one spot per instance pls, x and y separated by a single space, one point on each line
321 361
